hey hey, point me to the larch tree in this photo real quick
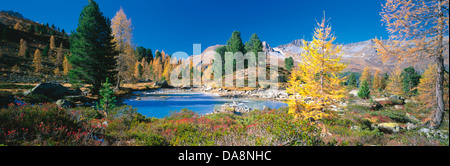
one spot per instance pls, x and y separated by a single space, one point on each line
23 48
427 85
37 61
52 43
317 77
92 49
377 83
66 66
366 75
18 27
59 55
418 29
122 30
395 83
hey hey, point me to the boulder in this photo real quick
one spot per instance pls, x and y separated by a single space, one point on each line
64 103
161 84
383 101
51 90
399 107
354 93
397 100
410 126
375 106
389 127
78 98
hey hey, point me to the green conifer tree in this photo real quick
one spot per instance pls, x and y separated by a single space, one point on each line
92 48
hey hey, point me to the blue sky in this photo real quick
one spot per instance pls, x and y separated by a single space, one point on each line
175 25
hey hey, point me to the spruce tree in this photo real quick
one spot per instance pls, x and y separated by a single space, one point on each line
364 90
108 100
92 48
410 80
352 80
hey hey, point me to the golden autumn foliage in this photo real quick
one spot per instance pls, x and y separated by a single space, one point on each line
395 83
316 84
23 47
377 81
17 26
426 87
66 66
366 75
52 43
122 31
418 29
37 61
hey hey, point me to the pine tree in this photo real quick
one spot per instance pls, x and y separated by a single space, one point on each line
46 52
23 48
410 80
289 63
364 90
317 77
92 49
37 61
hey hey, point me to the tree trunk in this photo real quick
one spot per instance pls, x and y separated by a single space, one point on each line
438 115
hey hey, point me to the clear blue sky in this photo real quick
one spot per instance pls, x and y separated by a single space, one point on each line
175 25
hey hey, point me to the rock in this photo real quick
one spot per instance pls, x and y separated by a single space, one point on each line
412 118
399 107
64 103
389 127
375 106
51 90
383 101
161 84
354 93
410 126
408 101
78 98
396 97
208 88
397 100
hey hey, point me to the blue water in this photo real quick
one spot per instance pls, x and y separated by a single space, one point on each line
161 105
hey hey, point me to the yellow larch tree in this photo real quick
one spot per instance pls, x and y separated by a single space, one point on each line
418 29
66 66
122 31
23 47
376 82
395 84
427 85
59 55
366 75
52 43
157 67
18 27
37 61
315 84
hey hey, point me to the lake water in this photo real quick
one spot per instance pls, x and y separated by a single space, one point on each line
159 105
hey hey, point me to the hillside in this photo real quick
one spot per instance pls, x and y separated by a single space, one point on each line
15 68
358 55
